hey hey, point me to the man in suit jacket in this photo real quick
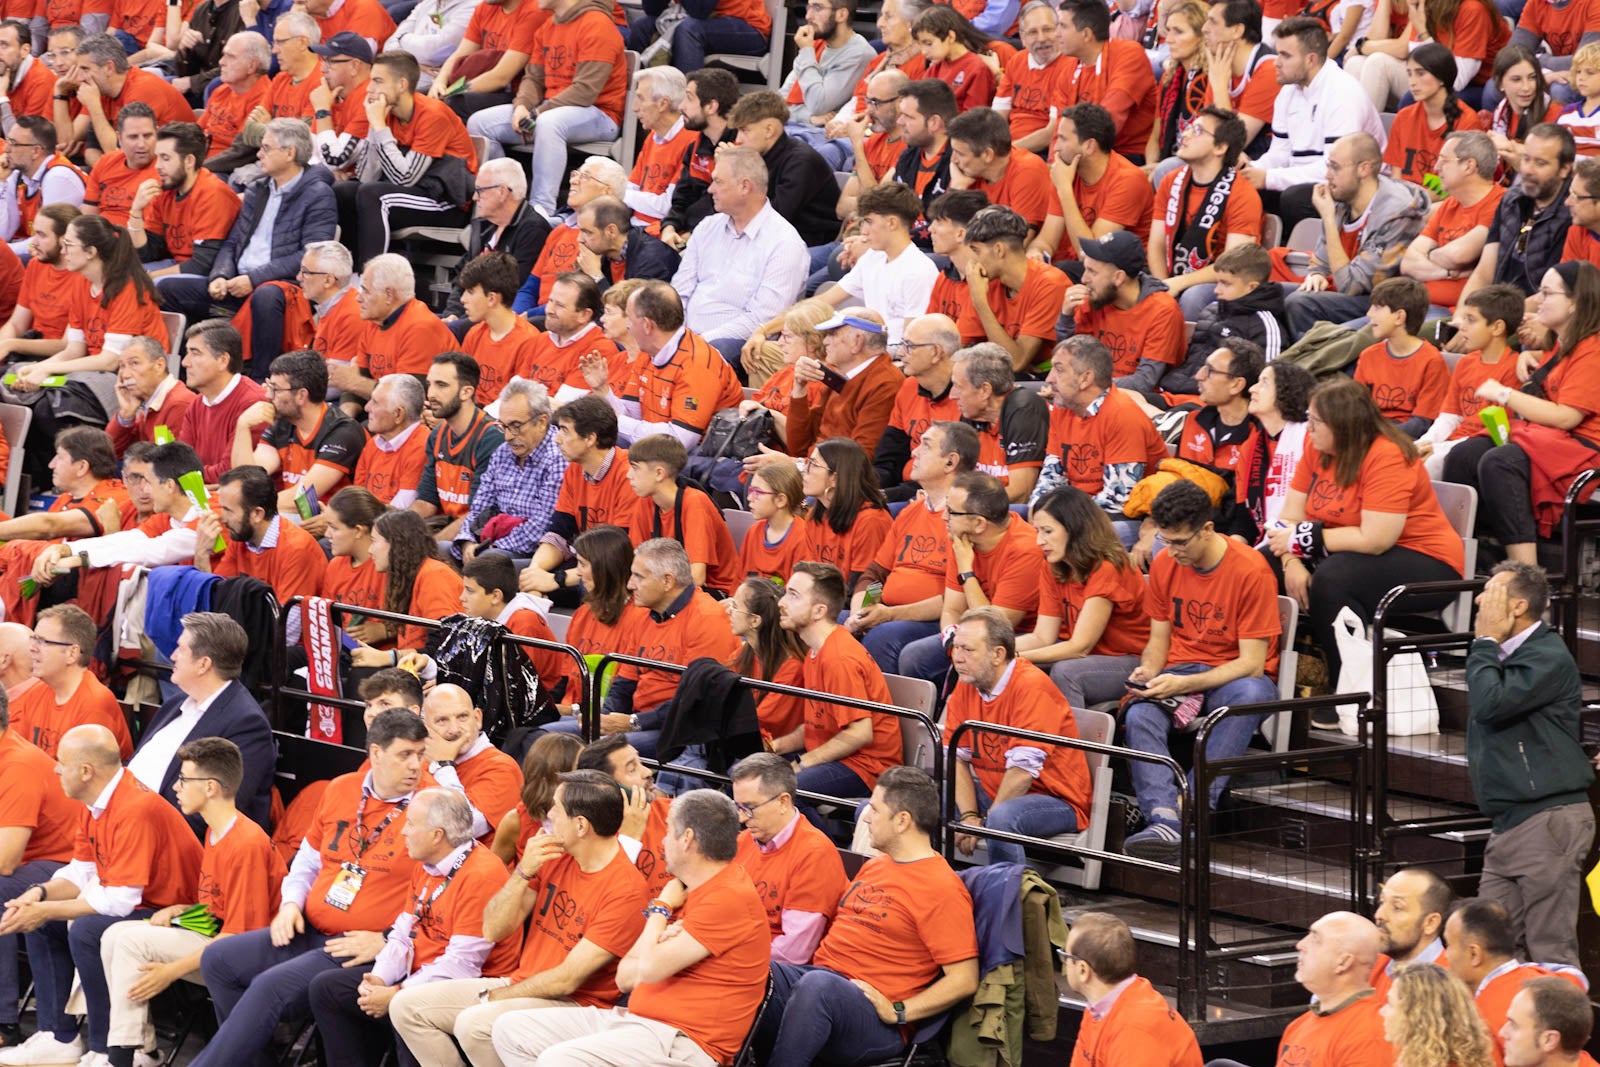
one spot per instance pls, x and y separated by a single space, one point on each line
206 666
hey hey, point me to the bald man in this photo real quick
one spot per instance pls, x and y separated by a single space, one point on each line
1343 1028
16 660
134 854
461 757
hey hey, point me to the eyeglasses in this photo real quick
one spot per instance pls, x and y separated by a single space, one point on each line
905 348
954 514
1181 543
874 102
14 143
748 810
813 462
276 389
35 639
303 273
517 426
184 780
756 490
480 190
1207 370
1545 293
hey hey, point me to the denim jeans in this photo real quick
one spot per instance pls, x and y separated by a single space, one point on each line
925 658
554 131
643 740
1033 814
1149 727
1308 309
818 1015
833 779
1196 299
887 640
694 39
26 876
1092 679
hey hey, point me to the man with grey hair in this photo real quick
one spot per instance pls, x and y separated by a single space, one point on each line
717 954
504 221
327 274
147 394
1443 255
1013 424
278 219
796 865
103 63
439 937
925 354
391 464
855 345
400 335
658 101
1024 94
516 493
597 176
746 263
245 68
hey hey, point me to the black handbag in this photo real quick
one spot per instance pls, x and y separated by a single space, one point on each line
732 436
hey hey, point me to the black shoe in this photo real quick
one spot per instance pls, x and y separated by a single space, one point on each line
1325 719
10 1034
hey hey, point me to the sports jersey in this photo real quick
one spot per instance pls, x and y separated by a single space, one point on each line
853 549
46 291
31 798
703 533
1152 329
226 110
1453 219
37 716
1123 196
1404 386
346 829
140 840
605 908
1010 574
241 876
130 314
205 213
842 667
500 359
1462 397
761 558
336 441
390 471
1211 612
969 77
693 385
1495 992
403 343
802 874
1128 629
1351 1035
450 473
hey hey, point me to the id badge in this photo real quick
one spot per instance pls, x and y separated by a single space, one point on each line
346 884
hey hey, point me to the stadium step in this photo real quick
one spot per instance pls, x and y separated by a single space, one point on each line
1431 766
1313 814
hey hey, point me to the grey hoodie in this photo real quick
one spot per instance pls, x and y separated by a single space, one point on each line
1394 219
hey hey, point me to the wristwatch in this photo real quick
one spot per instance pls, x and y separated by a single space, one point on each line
899 1012
965 576
633 723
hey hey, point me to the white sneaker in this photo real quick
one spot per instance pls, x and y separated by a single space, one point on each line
148 1059
94 1059
43 1048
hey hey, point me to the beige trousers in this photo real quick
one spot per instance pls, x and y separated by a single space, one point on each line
592 1037
426 1016
124 949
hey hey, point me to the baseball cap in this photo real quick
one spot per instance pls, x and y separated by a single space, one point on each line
1121 249
851 320
345 43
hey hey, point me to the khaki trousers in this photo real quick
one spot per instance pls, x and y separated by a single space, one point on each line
124 949
426 1016
592 1037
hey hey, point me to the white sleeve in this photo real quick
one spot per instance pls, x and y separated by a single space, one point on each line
61 186
656 205
116 901
134 547
302 874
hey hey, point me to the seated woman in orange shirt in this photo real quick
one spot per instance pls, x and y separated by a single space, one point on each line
352 577
1092 623
606 619
777 540
1361 517
850 518
550 756
768 652
1420 128
418 582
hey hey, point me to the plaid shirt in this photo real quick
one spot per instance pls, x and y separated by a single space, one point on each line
528 489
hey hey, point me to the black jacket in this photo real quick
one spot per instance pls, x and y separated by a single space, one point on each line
712 709
642 256
691 196
1257 316
250 603
236 716
803 190
523 240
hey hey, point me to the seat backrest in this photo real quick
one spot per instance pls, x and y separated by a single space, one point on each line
558 625
15 420
176 325
1303 238
1460 505
1289 619
739 523
914 694
1271 231
1099 727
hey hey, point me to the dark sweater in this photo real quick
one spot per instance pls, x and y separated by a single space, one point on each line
803 190
1523 751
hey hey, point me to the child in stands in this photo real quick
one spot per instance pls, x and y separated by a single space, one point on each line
1583 117
1486 322
1406 374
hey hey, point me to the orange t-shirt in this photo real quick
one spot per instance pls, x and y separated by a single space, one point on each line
558 256
138 18
915 409
1478 32
31 798
714 1001
656 167
652 858
609 502
1561 28
1010 574
1212 612
31 96
553 365
495 29
405 343
168 104
1025 188
500 360
916 554
1141 1028
970 78
206 213
781 715
435 594
1241 214
434 130
290 99
1388 484
240 877
1402 387
1576 383
1349 1037
1030 90
605 908
842 667
1151 329
294 568
693 385
226 110
141 840
457 911
492 780
130 315
700 628
1451 220
1256 94
1462 398
759 559
1581 243
1414 146
1494 998
345 829
365 17
1029 701
802 874
112 184
397 471
1123 196
47 291
591 637
1029 312
704 535
852 550
898 924
951 297
1122 82
1128 630
590 38
36 716
361 586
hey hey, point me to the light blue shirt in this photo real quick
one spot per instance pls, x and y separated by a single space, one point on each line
258 252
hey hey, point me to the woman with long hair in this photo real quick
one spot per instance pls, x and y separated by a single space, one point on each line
418 582
117 305
1431 1020
957 54
1183 87
352 577
1092 625
1525 101
549 757
851 517
1361 517
768 652
777 539
1555 428
1420 128
607 618
1473 31
1278 401
799 338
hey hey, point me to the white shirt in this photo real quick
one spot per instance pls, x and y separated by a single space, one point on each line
732 282
898 288
155 753
1307 120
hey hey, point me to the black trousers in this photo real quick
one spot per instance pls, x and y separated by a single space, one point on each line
1503 477
349 1035
187 295
369 212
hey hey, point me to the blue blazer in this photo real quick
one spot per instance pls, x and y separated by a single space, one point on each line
236 716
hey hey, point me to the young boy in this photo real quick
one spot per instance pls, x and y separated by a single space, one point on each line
1487 322
683 513
500 340
489 591
1245 307
1583 117
1407 376
947 229
240 875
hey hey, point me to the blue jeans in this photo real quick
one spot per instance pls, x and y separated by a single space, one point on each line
643 740
838 151
24 877
833 779
53 951
694 39
253 985
925 658
887 640
1196 299
1149 727
553 132
1033 814
818 1015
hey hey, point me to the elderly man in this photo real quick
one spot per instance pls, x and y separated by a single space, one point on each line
516 493
205 667
598 176
326 277
856 349
400 335
925 355
504 222
102 64
391 464
147 394
1026 94
461 757
1450 244
1013 424
245 69
746 263
279 217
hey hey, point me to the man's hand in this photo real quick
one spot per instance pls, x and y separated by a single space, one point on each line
856 129
191 36
1076 296
261 413
89 96
1315 283
343 375
1162 686
259 114
206 531
589 262
321 97
673 239
128 402
240 286
1322 199
355 948
44 566
870 616
615 723
519 115
286 924
805 36
1494 613
962 552
1219 61
440 748
978 284
541 849
372 996
217 288
764 456
148 190
24 917
1063 174
378 110
369 632
596 373
1297 582
673 894
155 977
851 249
1254 175
635 813
880 1003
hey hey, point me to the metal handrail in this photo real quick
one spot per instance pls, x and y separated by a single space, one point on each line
1572 555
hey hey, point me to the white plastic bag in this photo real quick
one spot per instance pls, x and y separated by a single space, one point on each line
1412 707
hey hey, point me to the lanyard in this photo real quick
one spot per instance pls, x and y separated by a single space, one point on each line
360 839
422 909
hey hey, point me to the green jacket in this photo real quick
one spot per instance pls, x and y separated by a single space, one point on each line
1523 751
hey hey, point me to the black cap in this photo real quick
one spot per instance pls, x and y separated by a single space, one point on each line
345 43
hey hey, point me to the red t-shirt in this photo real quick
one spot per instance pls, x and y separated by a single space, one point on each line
500 360
1451 220
1151 329
699 629
1581 243
760 559
916 554
1030 311
1576 383
335 832
47 291
1025 188
387 473
802 874
1122 82
704 535
290 99
1140 1028
434 130
457 909
605 908
365 17
36 716
842 667
590 38
240 877
130 315
1349 1037
31 798
1010 574
1127 631
205 213
1212 611
1413 149
852 550
1119 432
1031 91
112 184
1462 398
141 840
1561 28
1256 94
226 110
969 77
1403 387
494 29
1123 196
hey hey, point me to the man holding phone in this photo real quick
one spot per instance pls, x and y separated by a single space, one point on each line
862 384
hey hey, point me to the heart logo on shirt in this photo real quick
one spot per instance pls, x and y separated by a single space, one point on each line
1198 612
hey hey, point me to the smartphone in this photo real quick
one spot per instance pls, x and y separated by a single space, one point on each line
526 125
832 378
1141 686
